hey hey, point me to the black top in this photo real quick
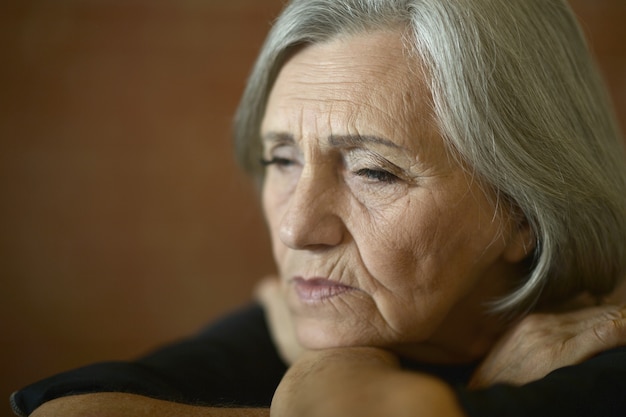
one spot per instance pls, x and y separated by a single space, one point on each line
234 363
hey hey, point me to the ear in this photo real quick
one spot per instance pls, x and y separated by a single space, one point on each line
521 242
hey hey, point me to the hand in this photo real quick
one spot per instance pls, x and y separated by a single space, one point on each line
359 381
543 342
269 293
345 381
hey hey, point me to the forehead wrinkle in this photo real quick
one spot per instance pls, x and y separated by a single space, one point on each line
388 94
341 67
355 140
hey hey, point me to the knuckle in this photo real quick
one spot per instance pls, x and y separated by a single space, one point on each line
612 330
613 313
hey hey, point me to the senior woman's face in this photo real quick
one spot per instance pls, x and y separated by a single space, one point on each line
379 236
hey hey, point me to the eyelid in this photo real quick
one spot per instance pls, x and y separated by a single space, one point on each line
365 159
275 161
272 141
280 150
282 155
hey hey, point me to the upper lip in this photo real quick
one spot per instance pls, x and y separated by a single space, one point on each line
317 280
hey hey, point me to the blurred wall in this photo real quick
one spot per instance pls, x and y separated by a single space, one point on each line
124 222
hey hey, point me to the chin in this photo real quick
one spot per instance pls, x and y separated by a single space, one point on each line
317 337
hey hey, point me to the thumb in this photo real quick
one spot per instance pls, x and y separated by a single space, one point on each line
603 331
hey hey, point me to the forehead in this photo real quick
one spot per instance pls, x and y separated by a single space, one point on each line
372 56
364 78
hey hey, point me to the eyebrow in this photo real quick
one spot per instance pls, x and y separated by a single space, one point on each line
278 137
347 141
339 141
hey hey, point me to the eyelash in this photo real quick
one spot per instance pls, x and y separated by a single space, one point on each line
377 175
374 175
280 162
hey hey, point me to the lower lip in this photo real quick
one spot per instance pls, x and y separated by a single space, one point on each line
318 289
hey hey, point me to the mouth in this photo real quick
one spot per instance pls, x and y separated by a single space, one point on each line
313 290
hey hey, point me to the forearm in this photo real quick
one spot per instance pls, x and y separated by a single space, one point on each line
364 382
131 405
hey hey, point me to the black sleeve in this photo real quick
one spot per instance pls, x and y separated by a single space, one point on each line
231 363
595 388
234 363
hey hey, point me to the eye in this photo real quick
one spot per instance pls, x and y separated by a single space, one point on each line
377 175
279 162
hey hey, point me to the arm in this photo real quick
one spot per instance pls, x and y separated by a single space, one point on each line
232 363
360 382
130 405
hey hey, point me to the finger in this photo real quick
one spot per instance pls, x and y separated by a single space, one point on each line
588 317
607 330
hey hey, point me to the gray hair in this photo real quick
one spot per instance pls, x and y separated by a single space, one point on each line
518 98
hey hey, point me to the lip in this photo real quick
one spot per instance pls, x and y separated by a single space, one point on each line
311 290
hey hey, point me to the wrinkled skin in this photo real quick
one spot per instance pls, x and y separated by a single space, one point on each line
530 349
362 198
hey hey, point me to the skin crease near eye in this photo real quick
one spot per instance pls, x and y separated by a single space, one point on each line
379 237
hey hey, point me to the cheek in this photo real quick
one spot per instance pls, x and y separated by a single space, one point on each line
407 280
376 200
422 248
418 267
396 242
273 207
268 207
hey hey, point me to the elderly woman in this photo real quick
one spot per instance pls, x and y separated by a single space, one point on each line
445 189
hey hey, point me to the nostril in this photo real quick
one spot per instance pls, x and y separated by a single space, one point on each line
311 228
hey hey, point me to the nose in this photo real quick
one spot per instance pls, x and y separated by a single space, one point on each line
312 219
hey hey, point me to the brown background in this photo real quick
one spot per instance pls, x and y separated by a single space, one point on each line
124 222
